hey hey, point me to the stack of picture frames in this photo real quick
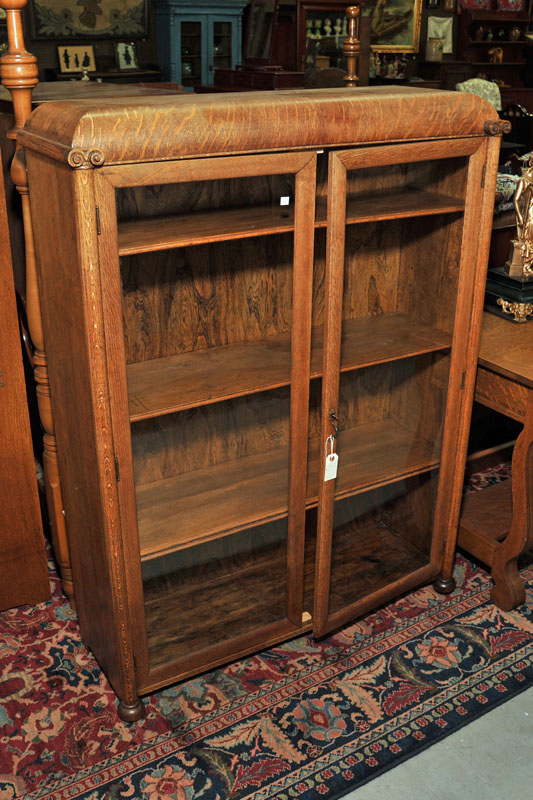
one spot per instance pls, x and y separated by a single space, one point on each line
76 24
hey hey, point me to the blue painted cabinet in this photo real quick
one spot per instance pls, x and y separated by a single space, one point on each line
194 40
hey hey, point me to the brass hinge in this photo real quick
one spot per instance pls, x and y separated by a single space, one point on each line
117 469
483 173
98 229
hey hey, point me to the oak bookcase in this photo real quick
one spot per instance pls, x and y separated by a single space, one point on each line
226 282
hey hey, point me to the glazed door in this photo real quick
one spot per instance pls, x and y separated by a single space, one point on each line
400 250
214 290
191 67
223 47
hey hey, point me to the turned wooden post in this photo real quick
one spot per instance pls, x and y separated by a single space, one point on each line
352 46
18 70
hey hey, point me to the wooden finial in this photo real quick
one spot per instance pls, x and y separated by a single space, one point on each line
18 68
351 45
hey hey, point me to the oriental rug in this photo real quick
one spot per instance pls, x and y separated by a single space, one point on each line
303 720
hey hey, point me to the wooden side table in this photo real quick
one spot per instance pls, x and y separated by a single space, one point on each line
496 524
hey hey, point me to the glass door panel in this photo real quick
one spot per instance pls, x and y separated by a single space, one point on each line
211 470
191 52
379 538
390 419
216 273
394 240
222 45
216 591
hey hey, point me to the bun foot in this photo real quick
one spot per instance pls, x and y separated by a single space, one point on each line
131 712
444 585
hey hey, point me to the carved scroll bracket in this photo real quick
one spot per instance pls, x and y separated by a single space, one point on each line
497 127
85 159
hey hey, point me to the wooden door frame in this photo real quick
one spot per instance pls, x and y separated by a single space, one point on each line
463 362
107 180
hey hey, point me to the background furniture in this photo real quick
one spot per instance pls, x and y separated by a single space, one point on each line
521 133
240 340
448 73
269 57
196 39
24 571
313 40
496 524
352 53
146 75
481 32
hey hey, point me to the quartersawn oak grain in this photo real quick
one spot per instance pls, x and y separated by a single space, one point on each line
211 124
221 432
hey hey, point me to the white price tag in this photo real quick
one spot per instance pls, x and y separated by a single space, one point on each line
330 473
332 460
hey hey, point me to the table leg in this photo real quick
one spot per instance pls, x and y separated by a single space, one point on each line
508 590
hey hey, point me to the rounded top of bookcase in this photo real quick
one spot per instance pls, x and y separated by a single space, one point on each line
167 127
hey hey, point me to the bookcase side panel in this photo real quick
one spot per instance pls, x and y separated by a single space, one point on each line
70 293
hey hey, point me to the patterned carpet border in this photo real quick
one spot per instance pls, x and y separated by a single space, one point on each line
375 750
303 720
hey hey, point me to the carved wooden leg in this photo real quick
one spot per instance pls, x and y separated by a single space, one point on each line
56 517
508 590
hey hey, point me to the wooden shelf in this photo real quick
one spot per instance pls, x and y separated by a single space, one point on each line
497 16
367 557
517 63
500 42
164 233
175 383
199 506
210 602
486 519
397 205
200 227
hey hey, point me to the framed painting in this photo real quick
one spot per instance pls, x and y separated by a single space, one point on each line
126 55
76 58
394 25
54 19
